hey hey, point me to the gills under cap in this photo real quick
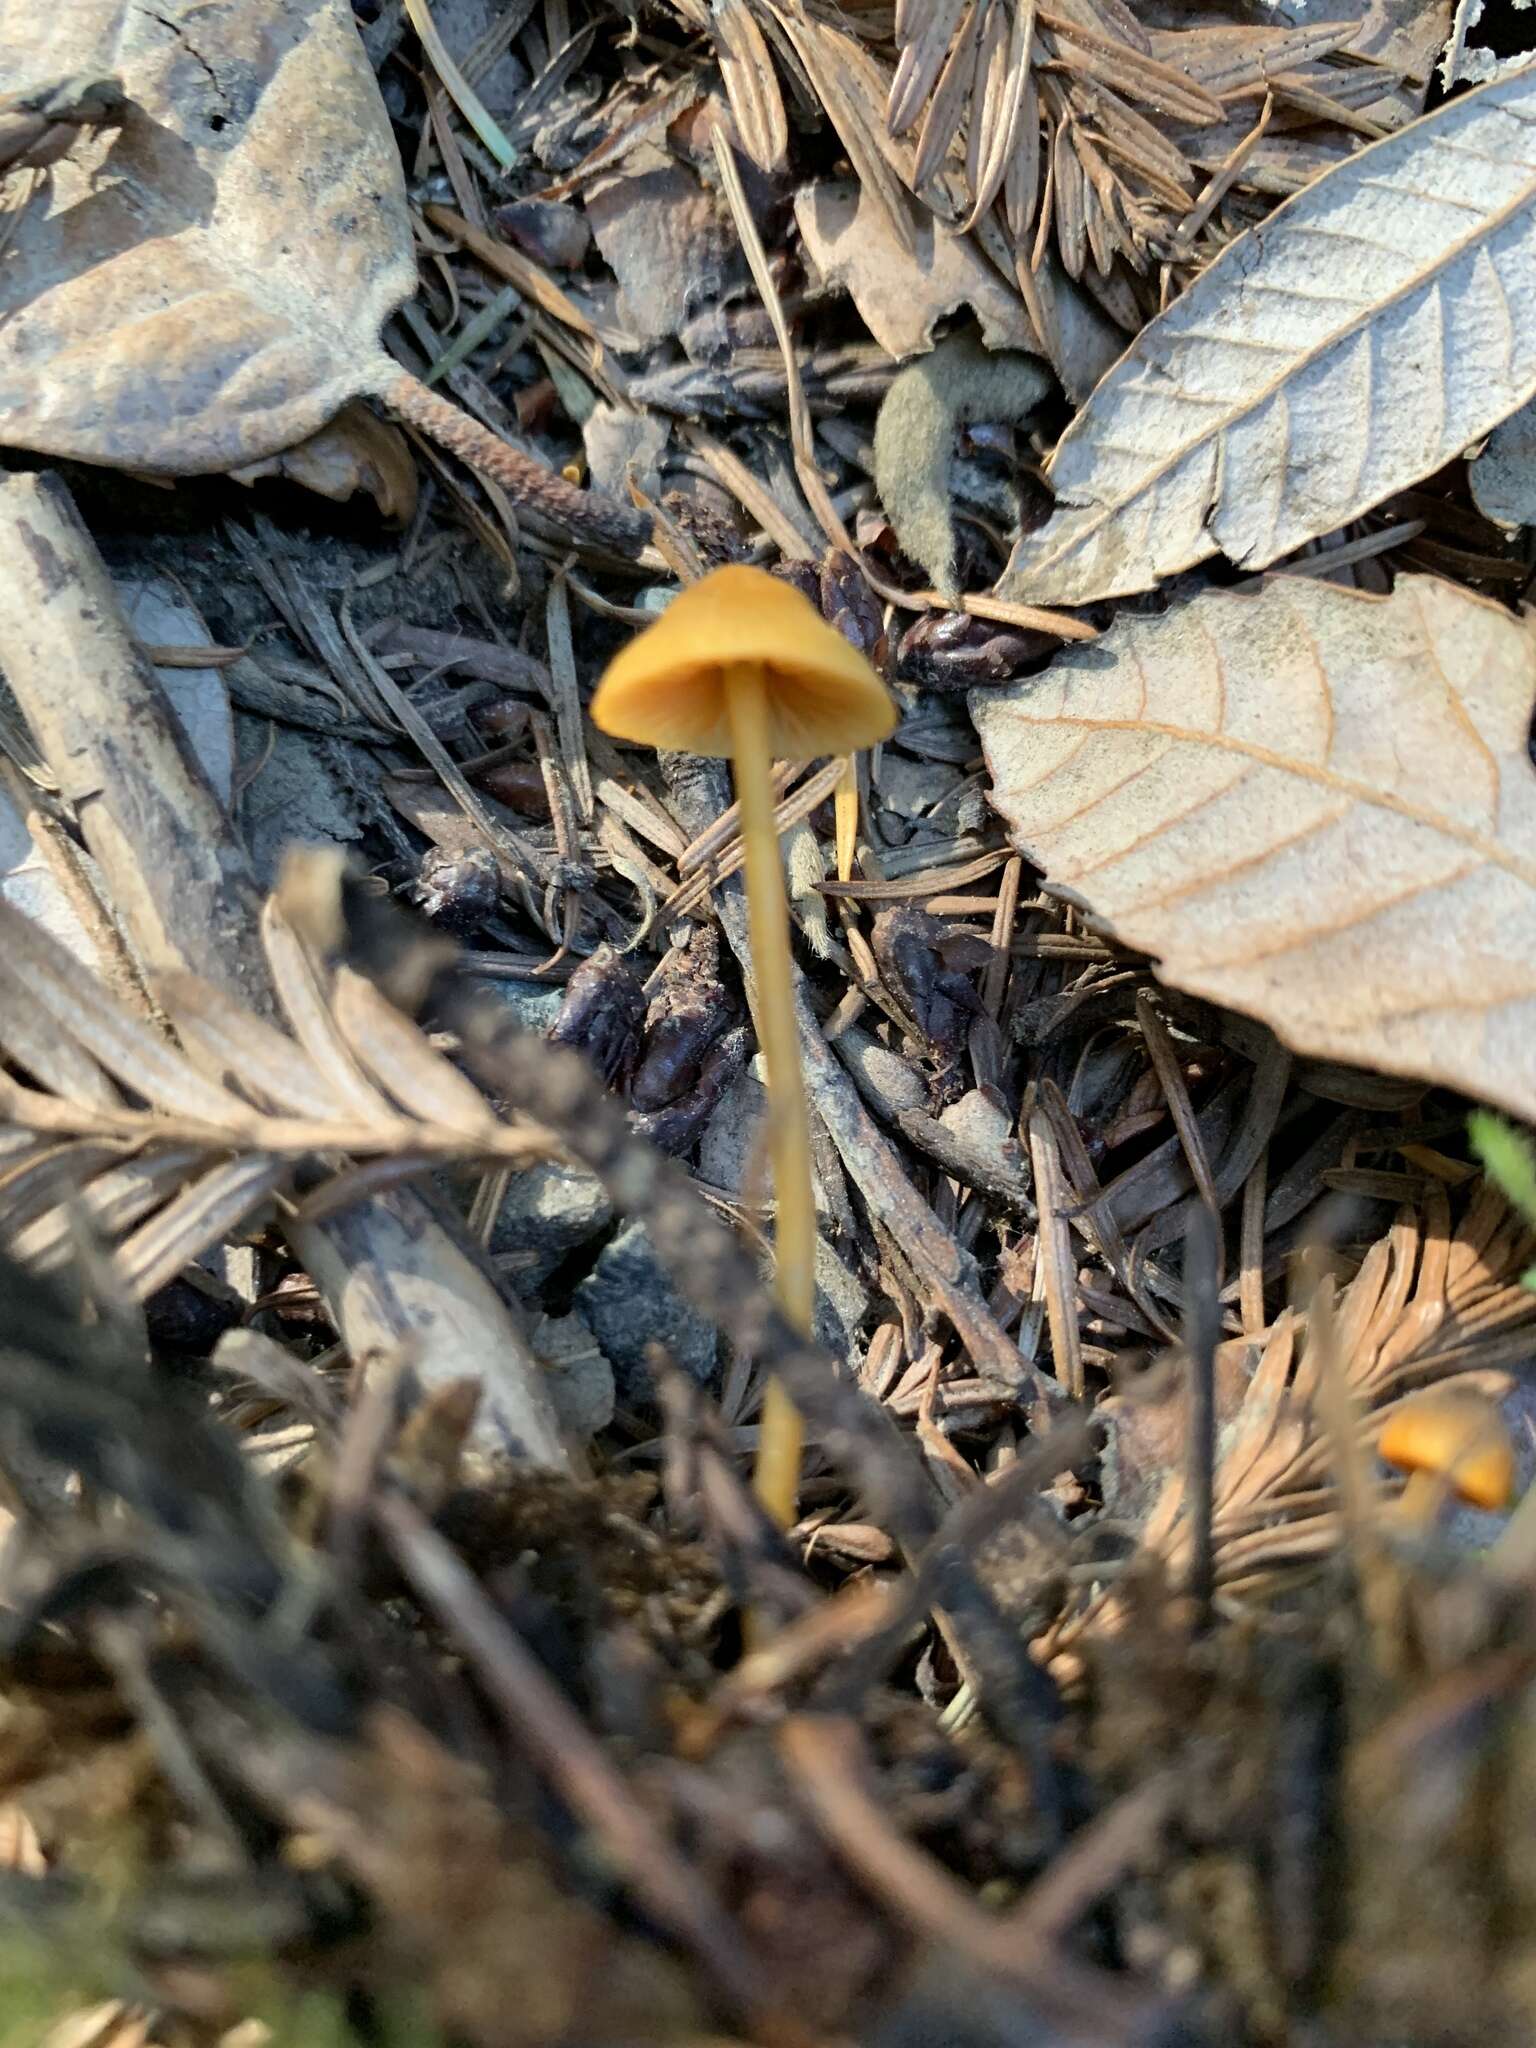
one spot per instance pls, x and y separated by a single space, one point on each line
667 687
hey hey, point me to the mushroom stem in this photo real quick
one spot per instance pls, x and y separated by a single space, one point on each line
789 1136
1420 1502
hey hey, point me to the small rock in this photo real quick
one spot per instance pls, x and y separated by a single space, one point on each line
730 1149
620 444
548 1212
981 1121
630 1302
580 1378
534 1005
730 1155
909 788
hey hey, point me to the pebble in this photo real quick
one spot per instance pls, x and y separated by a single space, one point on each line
629 1301
549 1210
580 1379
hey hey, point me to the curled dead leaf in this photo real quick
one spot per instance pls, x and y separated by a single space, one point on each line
201 281
354 452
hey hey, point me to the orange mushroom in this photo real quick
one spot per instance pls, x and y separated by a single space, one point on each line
742 665
1449 1443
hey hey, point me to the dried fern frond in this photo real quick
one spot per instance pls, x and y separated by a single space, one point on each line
1428 1305
163 1147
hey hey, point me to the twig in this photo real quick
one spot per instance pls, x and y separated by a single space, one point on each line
828 1766
1202 1331
543 1721
586 515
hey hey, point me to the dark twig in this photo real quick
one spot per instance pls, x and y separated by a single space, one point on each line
585 515
544 1722
1202 1331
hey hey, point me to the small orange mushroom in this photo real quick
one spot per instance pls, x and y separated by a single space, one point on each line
1449 1443
740 664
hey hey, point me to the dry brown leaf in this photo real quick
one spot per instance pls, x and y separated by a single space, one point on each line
840 69
206 1155
1306 804
902 293
751 84
205 284
1363 336
354 452
202 283
924 36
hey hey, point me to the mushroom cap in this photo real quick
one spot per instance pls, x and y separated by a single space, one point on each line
667 687
1458 1436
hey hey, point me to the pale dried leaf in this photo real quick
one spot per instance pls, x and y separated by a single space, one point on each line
946 109
31 1038
204 285
1159 86
901 292
307 1007
925 43
998 106
1311 806
1373 328
112 1203
355 452
200 1215
1021 184
1225 59
230 1042
836 65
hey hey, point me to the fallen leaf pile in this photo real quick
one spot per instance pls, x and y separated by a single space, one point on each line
200 281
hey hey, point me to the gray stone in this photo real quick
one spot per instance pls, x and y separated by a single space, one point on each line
534 1004
549 1210
630 1302
620 444
909 788
730 1151
980 1121
295 795
580 1378
886 1081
